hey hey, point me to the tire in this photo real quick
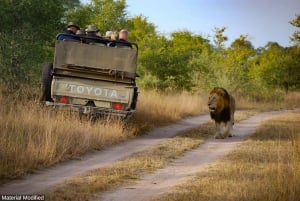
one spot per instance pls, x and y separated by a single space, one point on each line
135 98
46 82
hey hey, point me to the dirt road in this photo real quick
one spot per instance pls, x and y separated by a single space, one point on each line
153 184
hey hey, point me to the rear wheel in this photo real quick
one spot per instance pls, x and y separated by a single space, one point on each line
46 82
135 98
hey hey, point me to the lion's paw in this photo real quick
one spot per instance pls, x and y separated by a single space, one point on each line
219 136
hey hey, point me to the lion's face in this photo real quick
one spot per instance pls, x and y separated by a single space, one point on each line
215 103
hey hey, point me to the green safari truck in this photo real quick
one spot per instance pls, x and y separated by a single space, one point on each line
92 78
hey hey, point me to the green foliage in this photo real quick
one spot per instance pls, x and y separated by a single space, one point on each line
227 68
296 35
141 31
277 67
105 14
220 38
27 30
169 59
292 67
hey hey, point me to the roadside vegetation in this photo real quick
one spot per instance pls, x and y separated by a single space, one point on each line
34 137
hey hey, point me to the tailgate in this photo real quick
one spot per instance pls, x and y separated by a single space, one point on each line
94 90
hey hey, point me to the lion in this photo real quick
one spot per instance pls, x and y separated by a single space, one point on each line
222 107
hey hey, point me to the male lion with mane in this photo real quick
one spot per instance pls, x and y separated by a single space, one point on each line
221 107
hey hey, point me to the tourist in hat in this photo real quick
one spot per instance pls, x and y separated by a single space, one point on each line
81 33
92 30
93 33
72 28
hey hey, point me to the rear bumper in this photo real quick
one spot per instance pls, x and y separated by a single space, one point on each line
91 110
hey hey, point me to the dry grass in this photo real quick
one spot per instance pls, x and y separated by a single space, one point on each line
34 137
157 109
290 101
266 167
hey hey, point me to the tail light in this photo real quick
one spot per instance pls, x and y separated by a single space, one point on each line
63 99
117 106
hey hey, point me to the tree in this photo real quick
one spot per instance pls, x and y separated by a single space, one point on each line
277 67
220 38
291 74
229 67
105 14
168 60
296 36
236 64
27 28
141 31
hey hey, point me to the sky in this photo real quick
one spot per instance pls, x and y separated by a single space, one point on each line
261 20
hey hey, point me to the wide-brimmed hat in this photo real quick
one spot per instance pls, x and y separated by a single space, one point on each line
92 28
73 24
80 32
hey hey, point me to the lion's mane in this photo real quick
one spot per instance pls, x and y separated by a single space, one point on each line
222 104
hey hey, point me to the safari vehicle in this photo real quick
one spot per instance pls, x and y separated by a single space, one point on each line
92 78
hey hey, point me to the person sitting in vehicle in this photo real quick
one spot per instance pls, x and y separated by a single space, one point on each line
123 35
93 33
114 35
72 28
81 33
108 35
122 41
